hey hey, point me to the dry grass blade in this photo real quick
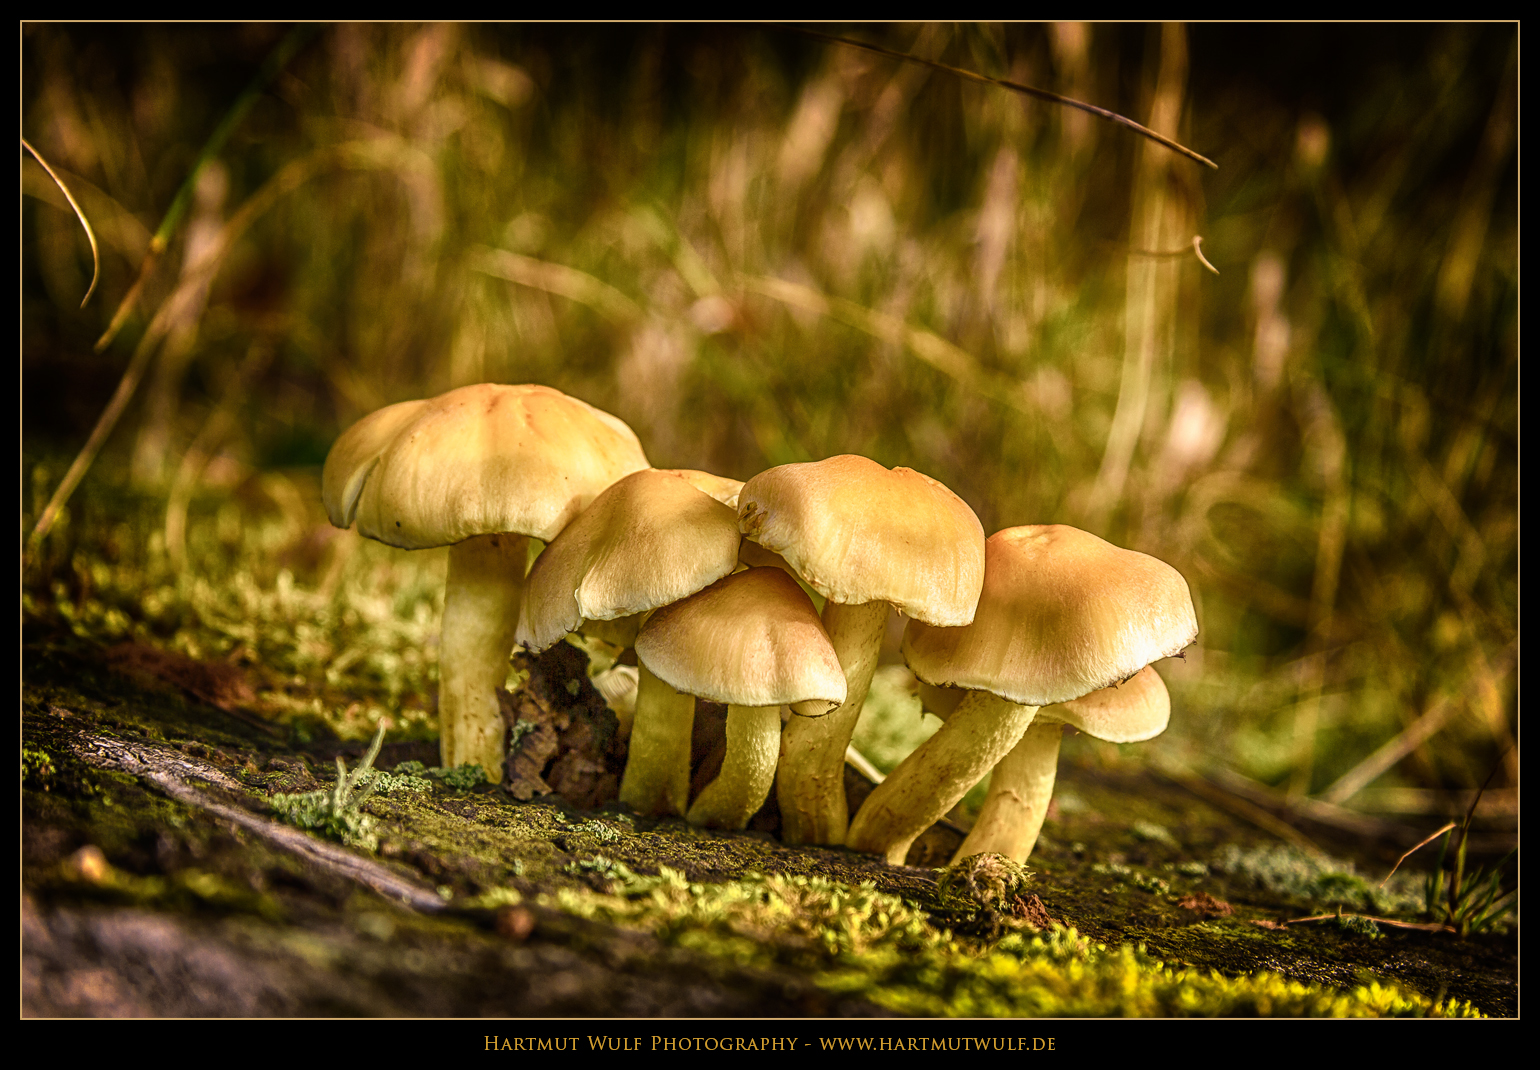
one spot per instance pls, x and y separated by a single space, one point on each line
1370 769
557 279
276 61
96 256
1015 87
928 346
1247 810
353 154
1413 851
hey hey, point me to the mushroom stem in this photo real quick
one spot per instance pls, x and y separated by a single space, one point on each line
740 789
811 786
1019 790
657 776
481 613
930 781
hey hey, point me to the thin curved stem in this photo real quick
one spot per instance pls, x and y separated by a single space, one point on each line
743 785
1019 790
930 781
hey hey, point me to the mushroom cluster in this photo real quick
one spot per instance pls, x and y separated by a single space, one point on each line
1012 637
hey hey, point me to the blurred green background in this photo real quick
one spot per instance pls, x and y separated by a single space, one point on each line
759 247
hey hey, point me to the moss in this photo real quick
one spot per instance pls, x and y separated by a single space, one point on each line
857 941
36 767
988 881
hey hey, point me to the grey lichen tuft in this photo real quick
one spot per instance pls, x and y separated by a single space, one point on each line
338 813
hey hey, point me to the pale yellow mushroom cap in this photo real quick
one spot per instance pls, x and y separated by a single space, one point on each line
1063 613
723 488
1137 709
858 532
650 539
353 456
478 460
751 639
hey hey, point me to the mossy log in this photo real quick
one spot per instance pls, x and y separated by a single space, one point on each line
160 880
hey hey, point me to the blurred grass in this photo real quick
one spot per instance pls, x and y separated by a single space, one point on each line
756 248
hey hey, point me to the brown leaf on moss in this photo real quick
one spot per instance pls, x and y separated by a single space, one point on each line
1034 913
1206 906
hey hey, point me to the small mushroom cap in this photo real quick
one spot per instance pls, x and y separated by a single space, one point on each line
751 639
858 532
650 539
1137 709
1063 614
723 488
478 460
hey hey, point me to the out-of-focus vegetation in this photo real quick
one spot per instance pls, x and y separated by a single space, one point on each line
757 247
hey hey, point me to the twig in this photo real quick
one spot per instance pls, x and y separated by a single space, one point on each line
1425 926
276 61
169 771
1015 87
96 256
1160 254
1197 249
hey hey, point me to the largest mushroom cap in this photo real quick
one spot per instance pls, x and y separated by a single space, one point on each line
1063 613
353 456
858 532
479 460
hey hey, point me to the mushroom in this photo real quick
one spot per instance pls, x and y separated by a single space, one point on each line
480 469
650 539
1063 613
754 642
1022 784
866 538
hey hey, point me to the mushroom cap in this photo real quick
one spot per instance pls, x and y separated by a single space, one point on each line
858 532
750 639
355 453
723 488
1063 613
649 539
478 460
1137 709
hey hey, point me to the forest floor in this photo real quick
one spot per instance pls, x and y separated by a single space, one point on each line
165 873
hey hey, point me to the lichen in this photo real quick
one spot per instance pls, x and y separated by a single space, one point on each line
338 813
1318 880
